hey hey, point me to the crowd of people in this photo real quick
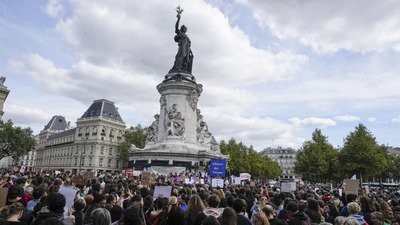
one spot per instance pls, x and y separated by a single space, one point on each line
34 199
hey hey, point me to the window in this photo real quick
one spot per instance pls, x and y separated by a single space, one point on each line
102 150
117 162
109 162
82 161
76 161
84 150
101 162
110 152
91 149
90 161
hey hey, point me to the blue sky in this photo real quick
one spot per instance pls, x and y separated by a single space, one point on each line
272 71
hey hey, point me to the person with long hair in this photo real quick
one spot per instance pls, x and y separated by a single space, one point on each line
330 212
175 214
195 206
314 211
158 208
386 211
367 208
133 216
259 219
228 217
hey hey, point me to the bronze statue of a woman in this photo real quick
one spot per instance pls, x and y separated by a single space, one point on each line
184 57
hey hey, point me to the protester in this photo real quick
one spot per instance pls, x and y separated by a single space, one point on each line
100 216
195 206
228 217
211 210
259 218
55 212
239 205
175 214
13 214
354 210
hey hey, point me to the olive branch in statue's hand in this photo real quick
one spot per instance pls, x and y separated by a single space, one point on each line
179 11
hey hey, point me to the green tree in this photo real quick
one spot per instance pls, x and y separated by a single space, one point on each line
390 170
362 155
15 141
395 165
317 160
133 136
243 159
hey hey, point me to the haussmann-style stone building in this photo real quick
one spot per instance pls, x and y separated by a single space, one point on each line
90 146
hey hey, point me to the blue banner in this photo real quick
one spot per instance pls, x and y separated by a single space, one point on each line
217 167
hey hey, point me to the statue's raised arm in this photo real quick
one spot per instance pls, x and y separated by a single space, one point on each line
177 31
184 57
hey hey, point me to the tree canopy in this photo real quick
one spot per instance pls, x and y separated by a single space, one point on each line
133 136
317 160
362 155
246 159
14 140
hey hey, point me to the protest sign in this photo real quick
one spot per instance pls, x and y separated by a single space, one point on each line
88 175
217 182
146 176
69 194
136 173
351 186
217 167
22 169
237 181
162 191
245 176
3 196
187 181
78 179
288 186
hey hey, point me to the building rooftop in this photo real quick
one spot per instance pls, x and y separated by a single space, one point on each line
278 150
57 123
103 108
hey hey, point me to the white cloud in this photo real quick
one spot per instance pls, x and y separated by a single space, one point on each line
396 119
372 119
332 27
347 118
133 40
312 121
85 81
26 115
259 132
54 8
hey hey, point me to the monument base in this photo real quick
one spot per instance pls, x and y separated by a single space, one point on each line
167 155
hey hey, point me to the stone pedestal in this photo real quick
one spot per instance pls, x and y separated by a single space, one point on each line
178 136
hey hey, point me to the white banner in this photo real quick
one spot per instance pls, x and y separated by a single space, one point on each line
162 191
217 182
245 176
